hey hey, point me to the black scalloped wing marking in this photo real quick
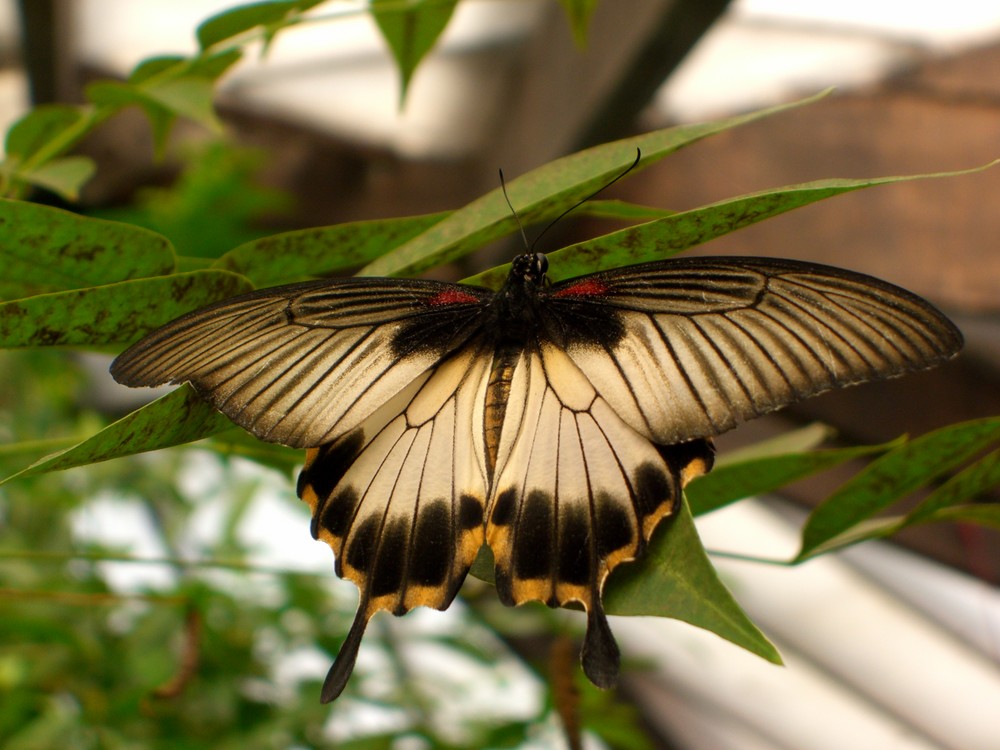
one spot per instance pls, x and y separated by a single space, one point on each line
306 363
577 492
693 346
401 499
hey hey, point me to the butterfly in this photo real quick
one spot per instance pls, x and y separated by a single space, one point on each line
557 423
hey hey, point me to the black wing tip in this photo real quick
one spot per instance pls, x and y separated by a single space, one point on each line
600 656
126 369
343 665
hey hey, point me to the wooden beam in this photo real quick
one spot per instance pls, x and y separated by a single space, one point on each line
565 97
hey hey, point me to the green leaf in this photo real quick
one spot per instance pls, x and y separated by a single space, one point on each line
173 67
116 94
972 481
114 313
665 237
894 475
310 253
188 97
675 579
179 417
39 127
964 486
579 13
48 249
63 176
735 481
984 515
154 67
618 209
235 21
163 102
543 194
411 28
26 451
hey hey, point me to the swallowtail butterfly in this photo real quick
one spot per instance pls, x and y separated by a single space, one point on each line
556 423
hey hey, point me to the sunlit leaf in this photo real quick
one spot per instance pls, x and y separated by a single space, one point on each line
618 209
968 484
188 97
798 440
985 515
963 487
40 127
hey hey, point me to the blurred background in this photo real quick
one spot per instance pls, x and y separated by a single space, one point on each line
892 645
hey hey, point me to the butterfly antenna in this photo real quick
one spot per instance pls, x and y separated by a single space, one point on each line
629 168
520 226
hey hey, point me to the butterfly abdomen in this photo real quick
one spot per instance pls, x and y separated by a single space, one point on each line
497 396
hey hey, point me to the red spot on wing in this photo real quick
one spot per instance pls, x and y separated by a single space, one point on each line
588 288
452 297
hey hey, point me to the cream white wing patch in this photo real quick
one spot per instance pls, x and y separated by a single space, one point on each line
695 346
577 491
401 499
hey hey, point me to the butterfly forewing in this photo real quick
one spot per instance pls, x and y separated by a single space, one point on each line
698 345
305 364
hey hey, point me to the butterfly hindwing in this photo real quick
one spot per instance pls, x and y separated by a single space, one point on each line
306 363
691 347
577 491
401 499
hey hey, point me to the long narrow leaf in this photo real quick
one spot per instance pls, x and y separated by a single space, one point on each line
309 253
733 482
545 192
965 486
984 515
177 418
668 236
114 313
241 19
895 475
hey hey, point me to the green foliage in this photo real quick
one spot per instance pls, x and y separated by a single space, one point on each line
171 86
579 13
91 663
214 203
410 29
675 579
48 250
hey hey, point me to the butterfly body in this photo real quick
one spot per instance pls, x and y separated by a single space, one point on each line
556 423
